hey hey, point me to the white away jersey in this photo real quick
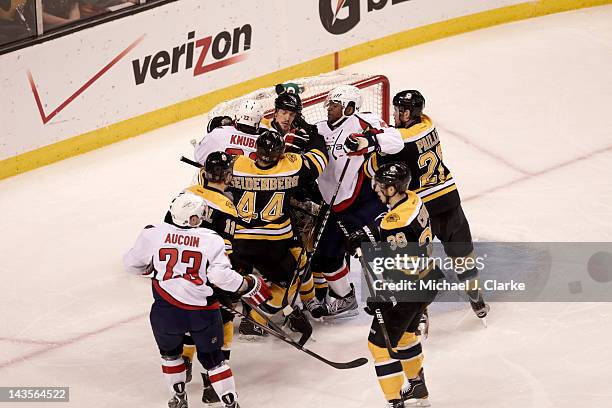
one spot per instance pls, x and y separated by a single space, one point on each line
226 139
184 261
390 141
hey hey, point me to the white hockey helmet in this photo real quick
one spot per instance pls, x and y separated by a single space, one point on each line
249 113
345 95
185 206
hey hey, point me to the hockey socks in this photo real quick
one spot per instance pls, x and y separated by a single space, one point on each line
338 280
174 369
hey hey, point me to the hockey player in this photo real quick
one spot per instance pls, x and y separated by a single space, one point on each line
264 236
406 228
349 136
434 183
183 261
221 218
238 139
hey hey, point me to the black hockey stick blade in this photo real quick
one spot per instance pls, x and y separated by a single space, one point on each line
192 162
280 334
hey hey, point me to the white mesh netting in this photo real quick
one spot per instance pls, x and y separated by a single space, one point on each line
313 90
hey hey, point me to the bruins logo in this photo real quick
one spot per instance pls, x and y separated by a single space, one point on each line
292 157
393 217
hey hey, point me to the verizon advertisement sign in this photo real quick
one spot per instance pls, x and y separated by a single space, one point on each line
182 50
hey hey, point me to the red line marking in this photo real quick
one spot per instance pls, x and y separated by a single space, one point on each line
46 118
539 173
28 341
53 346
483 150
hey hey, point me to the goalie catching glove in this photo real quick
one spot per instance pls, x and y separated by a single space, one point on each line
358 144
255 289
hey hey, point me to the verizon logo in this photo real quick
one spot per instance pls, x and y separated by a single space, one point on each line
202 55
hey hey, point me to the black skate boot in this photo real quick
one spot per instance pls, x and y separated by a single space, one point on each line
340 307
396 403
251 331
480 308
179 400
229 400
209 395
415 394
315 308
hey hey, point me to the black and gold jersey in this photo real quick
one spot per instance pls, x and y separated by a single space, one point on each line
262 195
422 152
221 215
406 228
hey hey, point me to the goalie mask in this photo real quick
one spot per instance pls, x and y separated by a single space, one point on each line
249 113
270 146
185 206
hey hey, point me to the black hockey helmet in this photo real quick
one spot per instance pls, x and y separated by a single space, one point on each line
218 166
411 100
270 146
219 121
288 101
393 174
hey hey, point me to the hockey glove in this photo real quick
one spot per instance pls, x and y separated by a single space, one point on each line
300 123
295 143
257 291
358 144
218 121
383 303
369 234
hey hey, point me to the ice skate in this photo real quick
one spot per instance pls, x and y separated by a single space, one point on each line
209 395
415 393
396 403
179 400
480 308
315 308
250 331
342 307
230 400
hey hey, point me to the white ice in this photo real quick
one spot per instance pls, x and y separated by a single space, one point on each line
523 111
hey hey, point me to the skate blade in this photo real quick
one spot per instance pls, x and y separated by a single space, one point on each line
483 320
344 315
423 402
251 338
214 404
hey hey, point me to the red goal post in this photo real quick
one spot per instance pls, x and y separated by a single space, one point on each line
313 91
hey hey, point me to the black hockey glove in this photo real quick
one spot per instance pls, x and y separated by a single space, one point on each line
381 302
296 142
218 121
300 123
367 233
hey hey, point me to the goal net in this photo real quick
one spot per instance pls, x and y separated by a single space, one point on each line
313 91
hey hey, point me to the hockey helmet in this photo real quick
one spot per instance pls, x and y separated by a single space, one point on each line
346 95
185 206
217 167
249 113
270 146
412 100
288 101
393 174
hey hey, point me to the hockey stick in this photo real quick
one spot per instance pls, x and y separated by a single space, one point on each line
277 332
377 312
317 239
192 162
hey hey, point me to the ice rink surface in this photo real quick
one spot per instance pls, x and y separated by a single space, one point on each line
523 112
